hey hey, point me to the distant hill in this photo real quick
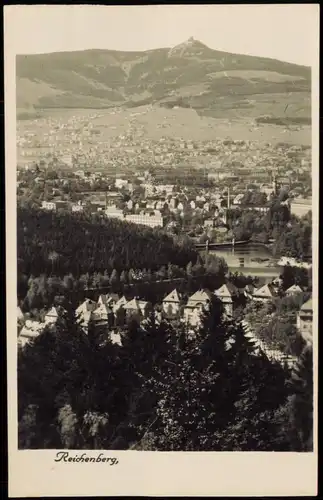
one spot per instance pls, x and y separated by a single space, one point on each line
188 75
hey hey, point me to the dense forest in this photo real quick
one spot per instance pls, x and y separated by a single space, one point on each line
67 243
199 391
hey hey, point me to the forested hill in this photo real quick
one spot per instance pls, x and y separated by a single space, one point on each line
76 243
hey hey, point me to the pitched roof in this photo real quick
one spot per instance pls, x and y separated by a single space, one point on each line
308 305
172 297
53 312
200 296
31 329
120 303
108 298
103 310
294 289
264 291
87 305
226 290
20 314
132 304
116 338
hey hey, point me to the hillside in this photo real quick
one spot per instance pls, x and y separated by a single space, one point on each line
84 244
188 75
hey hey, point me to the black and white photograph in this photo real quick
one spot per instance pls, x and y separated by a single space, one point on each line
165 201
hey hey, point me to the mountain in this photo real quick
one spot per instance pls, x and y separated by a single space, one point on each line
187 75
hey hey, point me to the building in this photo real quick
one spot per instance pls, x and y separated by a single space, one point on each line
110 299
112 197
137 309
209 223
84 312
48 205
53 314
300 207
103 315
197 303
113 212
304 321
53 205
120 304
120 183
146 220
227 293
292 290
171 304
264 294
237 199
77 207
30 331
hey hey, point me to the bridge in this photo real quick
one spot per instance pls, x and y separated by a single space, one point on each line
226 244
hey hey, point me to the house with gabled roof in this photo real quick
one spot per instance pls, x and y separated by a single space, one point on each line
103 315
265 293
196 304
171 304
53 314
86 306
227 293
110 298
137 308
292 290
30 331
304 320
84 312
120 304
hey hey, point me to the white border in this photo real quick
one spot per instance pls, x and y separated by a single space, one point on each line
34 473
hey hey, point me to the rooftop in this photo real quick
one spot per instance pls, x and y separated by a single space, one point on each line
307 306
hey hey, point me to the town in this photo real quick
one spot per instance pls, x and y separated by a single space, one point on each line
201 190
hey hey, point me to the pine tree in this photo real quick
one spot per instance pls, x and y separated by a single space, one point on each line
213 389
123 278
189 270
114 278
301 386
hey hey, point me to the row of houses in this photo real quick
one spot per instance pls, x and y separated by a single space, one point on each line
113 312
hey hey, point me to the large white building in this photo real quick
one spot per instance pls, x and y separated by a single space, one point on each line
145 219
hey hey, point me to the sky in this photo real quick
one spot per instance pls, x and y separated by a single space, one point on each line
288 32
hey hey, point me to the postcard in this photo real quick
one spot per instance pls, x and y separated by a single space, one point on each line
162 166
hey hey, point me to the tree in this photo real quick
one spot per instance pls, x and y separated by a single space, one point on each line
189 269
301 385
131 276
170 271
114 278
123 278
211 388
67 421
53 258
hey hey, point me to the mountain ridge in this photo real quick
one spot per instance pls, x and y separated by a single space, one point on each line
188 75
